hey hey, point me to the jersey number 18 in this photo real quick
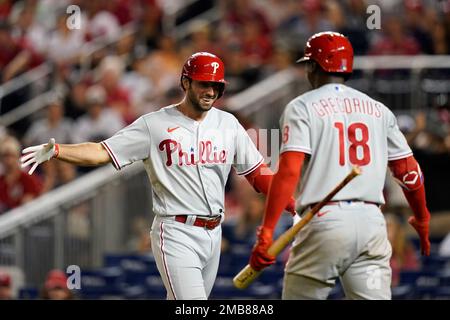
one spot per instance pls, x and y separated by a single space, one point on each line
355 143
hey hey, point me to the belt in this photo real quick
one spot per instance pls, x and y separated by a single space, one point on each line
207 223
312 205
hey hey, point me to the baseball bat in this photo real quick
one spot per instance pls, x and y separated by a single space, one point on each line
247 275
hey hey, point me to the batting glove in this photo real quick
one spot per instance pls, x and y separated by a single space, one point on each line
260 259
422 228
37 154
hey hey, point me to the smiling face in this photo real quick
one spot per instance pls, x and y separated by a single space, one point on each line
201 94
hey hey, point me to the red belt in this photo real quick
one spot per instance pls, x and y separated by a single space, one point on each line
208 223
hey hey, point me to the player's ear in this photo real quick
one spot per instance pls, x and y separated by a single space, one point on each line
185 83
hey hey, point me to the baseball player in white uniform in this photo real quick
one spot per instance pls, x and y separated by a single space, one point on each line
339 127
188 150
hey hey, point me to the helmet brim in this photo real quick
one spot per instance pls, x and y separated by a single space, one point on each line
303 59
207 78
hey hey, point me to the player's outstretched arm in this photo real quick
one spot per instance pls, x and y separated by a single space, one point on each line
83 154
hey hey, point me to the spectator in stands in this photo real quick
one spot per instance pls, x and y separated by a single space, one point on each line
432 128
150 27
235 13
276 11
128 50
441 38
124 10
55 287
240 75
5 286
255 44
201 38
110 71
404 256
100 121
282 59
102 25
5 9
163 67
64 45
15 56
413 127
354 24
139 86
16 186
48 11
418 26
75 100
308 18
27 31
395 39
55 125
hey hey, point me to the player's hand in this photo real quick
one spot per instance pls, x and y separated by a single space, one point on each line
291 207
260 259
422 228
37 154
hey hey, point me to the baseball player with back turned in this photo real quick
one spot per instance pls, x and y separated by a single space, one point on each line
339 127
188 150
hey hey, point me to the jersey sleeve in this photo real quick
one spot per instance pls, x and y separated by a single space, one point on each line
398 147
129 145
246 158
295 128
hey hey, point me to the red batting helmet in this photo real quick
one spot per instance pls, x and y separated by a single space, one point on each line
204 66
331 50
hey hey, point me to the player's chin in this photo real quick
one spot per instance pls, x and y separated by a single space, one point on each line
206 103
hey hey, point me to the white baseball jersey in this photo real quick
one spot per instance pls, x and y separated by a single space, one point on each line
340 127
188 162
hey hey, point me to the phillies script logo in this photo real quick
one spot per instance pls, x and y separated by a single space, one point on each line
206 154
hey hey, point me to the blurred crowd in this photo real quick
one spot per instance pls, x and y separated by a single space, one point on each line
55 287
132 73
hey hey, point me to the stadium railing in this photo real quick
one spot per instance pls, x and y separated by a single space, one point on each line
75 224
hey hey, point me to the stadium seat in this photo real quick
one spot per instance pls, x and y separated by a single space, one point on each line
134 292
435 262
443 293
410 277
28 293
403 292
155 287
96 283
131 261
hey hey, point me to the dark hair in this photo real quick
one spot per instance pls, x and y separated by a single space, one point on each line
181 82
